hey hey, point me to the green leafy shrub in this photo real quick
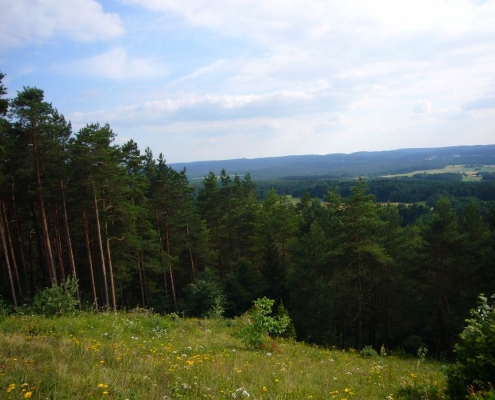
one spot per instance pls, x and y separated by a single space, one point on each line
368 352
474 371
261 324
57 300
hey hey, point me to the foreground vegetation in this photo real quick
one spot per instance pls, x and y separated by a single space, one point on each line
140 356
130 230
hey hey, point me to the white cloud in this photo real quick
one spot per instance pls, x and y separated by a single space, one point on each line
219 107
422 107
116 64
36 21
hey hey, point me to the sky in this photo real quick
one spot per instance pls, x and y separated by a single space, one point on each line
223 79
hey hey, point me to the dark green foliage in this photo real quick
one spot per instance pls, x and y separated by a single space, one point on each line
350 268
242 286
368 352
58 300
474 370
260 324
202 295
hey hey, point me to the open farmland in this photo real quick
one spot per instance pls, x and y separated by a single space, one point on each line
470 173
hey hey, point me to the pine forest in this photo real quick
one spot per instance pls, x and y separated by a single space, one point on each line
133 233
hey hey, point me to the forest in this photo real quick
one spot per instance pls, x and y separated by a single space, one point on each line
349 268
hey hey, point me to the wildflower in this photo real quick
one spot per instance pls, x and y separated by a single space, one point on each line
27 395
264 389
105 393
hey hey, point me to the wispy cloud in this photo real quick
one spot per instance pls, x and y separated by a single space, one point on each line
117 64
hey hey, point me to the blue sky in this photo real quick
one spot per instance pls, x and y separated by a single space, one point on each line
219 79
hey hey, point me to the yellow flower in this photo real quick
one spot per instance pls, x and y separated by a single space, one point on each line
27 395
105 393
265 389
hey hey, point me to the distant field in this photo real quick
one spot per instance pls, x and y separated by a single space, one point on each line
469 173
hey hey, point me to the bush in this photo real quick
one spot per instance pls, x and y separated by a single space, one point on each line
368 352
473 373
261 324
57 300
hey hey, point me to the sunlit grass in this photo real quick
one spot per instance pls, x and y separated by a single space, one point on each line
470 172
125 356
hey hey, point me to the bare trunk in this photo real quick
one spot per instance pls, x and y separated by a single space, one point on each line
90 258
12 253
100 247
109 258
69 243
171 273
41 204
47 280
189 245
7 261
20 250
141 281
160 239
58 245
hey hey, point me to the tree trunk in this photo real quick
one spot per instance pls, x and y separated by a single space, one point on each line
41 204
162 263
20 250
171 273
58 244
7 261
90 258
100 248
12 253
109 258
189 245
69 244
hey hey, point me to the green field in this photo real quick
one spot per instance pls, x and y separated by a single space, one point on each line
469 173
129 356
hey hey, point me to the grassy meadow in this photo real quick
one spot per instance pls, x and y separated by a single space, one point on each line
469 173
134 356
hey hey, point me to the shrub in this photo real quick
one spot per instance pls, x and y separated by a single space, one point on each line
57 300
368 352
261 324
474 370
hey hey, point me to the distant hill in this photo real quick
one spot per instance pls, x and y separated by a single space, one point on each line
369 164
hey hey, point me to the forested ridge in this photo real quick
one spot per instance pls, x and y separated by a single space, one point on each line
350 271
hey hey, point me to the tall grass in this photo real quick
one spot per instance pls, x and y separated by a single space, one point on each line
126 356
